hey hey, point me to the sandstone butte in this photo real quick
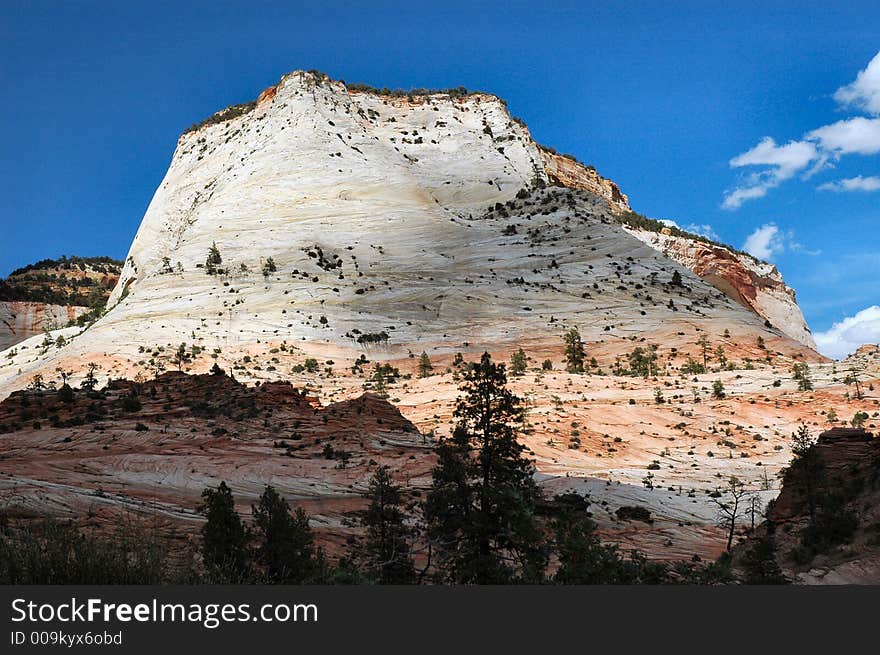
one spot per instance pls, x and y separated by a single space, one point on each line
353 226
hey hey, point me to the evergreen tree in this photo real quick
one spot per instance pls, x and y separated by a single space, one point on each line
643 362
807 461
286 544
518 363
801 372
480 509
213 260
583 559
425 366
759 562
574 351
90 381
180 357
387 547
224 536
703 343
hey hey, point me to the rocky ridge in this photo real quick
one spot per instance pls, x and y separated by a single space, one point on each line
52 293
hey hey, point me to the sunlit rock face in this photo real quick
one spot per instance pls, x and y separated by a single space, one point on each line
22 320
754 284
345 219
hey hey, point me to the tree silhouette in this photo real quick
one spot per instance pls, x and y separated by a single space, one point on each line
387 545
425 366
480 509
730 510
224 537
286 544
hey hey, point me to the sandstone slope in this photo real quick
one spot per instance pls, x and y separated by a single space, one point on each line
357 229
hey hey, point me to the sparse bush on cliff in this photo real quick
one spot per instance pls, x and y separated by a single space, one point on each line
233 111
373 337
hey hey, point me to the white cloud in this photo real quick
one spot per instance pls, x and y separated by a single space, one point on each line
784 161
864 93
818 149
765 242
844 337
703 230
734 199
857 183
858 135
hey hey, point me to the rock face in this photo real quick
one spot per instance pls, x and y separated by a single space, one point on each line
752 283
348 218
51 293
568 172
845 548
155 460
22 320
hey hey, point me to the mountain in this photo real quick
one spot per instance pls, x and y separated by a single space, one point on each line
324 236
53 293
341 215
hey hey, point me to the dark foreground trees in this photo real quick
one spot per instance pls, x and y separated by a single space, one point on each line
60 553
285 543
480 512
387 552
224 536
584 559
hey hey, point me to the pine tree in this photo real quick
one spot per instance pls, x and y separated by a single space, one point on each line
518 363
387 549
480 510
180 357
286 544
90 381
801 372
807 461
703 343
224 536
214 259
574 351
425 366
760 564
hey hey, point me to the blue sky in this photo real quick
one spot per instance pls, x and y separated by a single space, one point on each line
660 97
